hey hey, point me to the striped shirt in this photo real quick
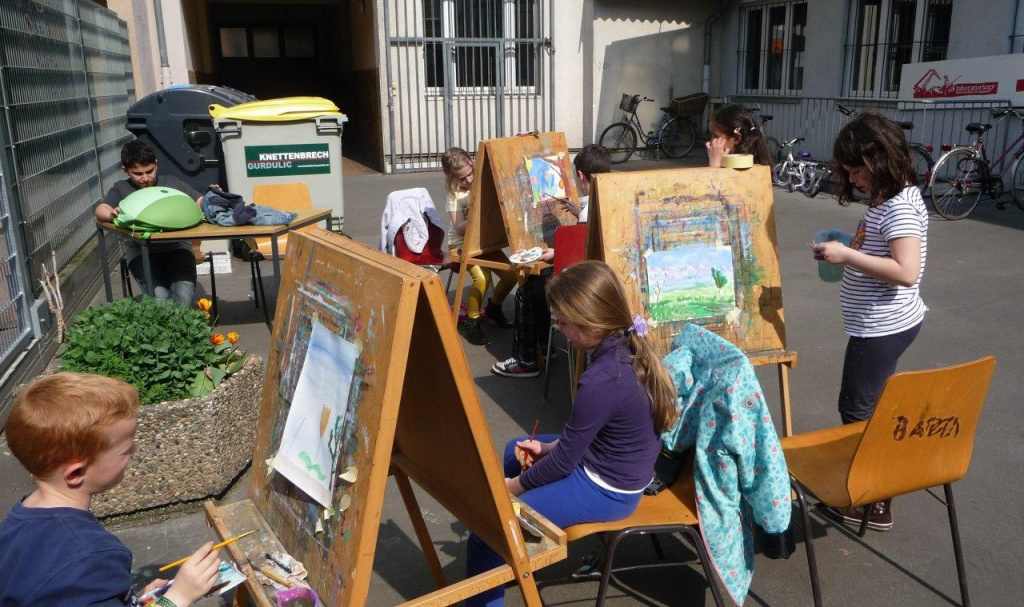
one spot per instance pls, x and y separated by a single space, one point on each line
872 308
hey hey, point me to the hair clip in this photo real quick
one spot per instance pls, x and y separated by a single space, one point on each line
639 326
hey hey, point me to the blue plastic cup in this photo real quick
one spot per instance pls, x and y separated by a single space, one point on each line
830 272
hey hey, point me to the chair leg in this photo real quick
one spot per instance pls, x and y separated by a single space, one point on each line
252 275
657 546
705 562
547 361
262 293
958 551
126 281
606 568
213 285
812 562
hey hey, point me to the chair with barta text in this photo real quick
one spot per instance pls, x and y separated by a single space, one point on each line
920 436
569 251
673 510
283 197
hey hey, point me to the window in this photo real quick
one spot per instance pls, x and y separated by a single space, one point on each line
887 34
267 42
492 43
772 48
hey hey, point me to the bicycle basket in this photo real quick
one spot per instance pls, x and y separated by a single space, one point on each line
629 102
689 105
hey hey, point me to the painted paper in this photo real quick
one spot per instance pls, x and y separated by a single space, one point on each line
313 433
547 177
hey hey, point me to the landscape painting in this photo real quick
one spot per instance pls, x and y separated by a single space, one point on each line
691 282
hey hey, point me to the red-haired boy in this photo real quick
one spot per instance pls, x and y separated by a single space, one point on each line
75 433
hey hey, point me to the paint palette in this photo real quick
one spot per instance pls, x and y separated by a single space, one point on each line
527 256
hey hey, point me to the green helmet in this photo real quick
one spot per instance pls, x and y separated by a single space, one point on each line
157 209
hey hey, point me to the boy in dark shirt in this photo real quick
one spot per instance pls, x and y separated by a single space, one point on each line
75 433
173 264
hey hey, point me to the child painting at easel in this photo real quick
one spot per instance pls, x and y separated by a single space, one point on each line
458 179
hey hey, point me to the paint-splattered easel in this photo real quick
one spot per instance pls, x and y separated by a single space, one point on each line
502 213
639 214
414 414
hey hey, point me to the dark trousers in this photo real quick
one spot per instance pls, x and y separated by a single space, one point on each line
532 319
174 275
869 363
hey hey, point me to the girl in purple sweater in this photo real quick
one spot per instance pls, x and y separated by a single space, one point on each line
596 470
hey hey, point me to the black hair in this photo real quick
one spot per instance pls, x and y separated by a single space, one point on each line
592 160
876 143
734 119
137 153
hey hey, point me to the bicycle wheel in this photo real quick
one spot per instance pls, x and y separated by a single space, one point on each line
922 164
956 183
1017 191
807 175
821 177
780 174
774 149
677 137
620 141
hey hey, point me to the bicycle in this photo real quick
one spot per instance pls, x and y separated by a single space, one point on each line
964 173
676 136
920 154
801 172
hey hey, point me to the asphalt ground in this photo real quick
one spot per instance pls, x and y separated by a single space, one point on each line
971 283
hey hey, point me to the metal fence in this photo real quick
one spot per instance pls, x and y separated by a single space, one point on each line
460 71
935 123
66 84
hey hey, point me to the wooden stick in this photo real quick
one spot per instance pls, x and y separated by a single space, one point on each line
280 579
220 545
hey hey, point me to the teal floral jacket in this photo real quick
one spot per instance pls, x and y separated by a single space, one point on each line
739 469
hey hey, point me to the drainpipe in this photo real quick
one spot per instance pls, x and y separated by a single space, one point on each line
161 40
705 84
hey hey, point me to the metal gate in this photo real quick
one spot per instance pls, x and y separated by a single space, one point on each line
460 71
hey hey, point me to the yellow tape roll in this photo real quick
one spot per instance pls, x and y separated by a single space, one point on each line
738 161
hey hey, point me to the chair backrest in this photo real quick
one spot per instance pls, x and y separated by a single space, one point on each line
569 246
283 196
432 255
922 431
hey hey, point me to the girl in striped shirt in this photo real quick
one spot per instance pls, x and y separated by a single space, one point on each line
879 295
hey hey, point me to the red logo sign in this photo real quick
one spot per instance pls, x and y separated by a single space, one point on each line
933 84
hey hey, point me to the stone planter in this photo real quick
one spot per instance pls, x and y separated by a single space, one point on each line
190 449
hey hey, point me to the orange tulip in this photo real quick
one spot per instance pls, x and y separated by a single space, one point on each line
204 304
232 338
207 315
217 339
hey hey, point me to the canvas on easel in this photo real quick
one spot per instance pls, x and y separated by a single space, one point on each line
697 245
379 327
517 182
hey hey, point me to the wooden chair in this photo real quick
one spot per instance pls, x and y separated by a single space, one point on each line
283 197
569 251
671 511
921 435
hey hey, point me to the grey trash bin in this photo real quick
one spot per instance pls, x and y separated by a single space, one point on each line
176 123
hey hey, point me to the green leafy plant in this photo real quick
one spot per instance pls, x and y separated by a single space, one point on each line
168 352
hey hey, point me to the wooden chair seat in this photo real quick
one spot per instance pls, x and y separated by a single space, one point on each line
674 510
822 460
673 506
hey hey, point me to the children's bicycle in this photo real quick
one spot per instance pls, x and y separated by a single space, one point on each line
800 173
964 172
675 137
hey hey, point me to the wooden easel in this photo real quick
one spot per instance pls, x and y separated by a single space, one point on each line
502 213
411 392
734 206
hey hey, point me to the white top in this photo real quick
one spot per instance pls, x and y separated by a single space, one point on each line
584 209
872 308
459 201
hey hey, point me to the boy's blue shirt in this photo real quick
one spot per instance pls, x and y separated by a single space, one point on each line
62 556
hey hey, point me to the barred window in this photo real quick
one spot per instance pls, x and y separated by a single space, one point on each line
885 35
491 43
772 42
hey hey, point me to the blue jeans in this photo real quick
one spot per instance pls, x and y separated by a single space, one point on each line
569 501
174 275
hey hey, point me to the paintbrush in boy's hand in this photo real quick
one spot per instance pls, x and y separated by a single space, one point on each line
220 545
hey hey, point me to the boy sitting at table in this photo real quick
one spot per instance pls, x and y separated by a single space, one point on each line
75 433
173 264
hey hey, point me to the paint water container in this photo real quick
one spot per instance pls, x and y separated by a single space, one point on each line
830 272
292 139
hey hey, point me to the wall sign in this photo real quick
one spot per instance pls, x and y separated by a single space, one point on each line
976 79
